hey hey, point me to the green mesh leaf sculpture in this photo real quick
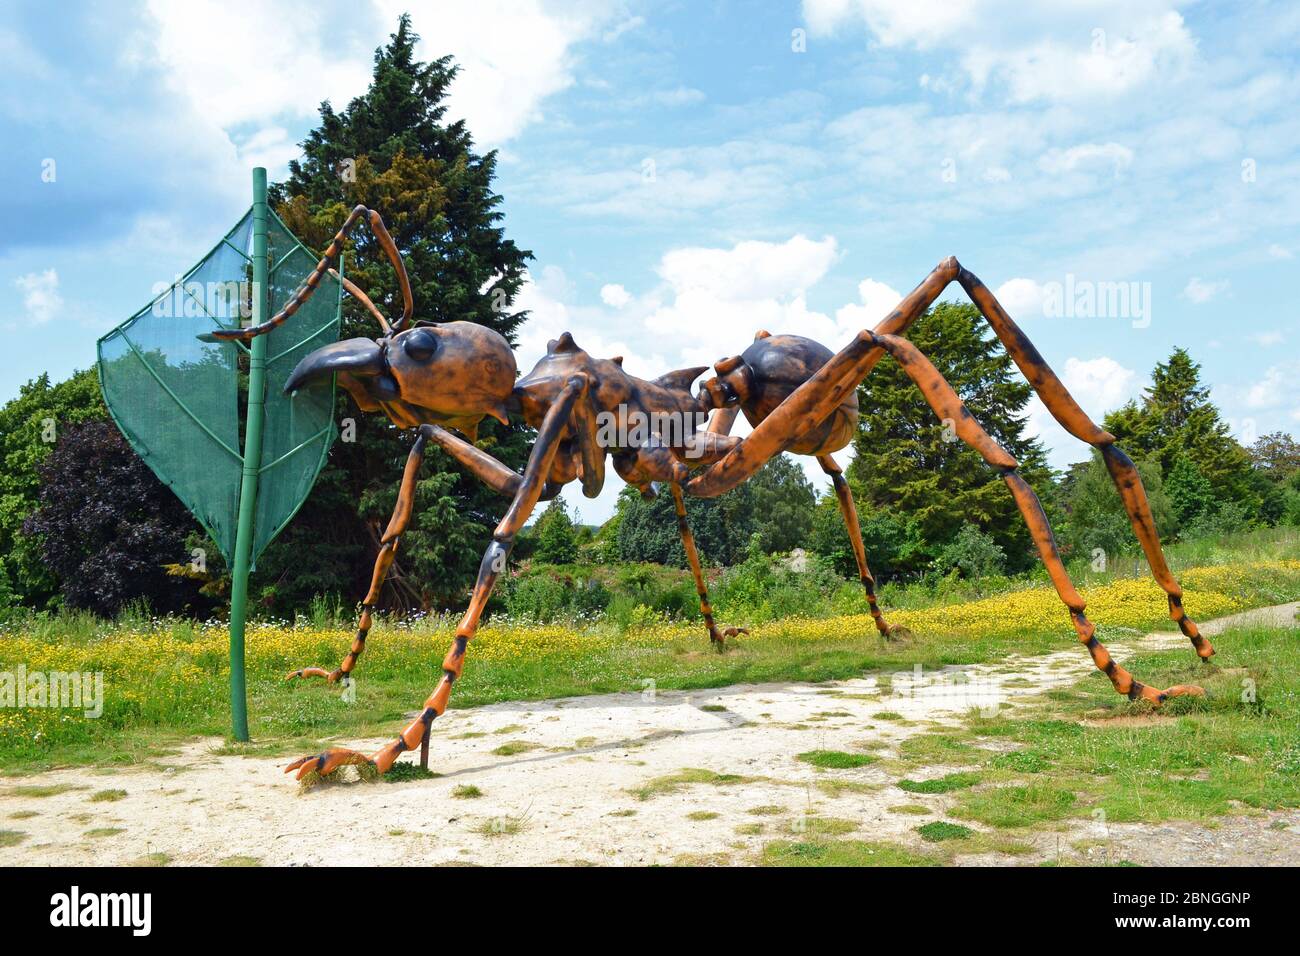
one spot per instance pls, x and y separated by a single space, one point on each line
179 401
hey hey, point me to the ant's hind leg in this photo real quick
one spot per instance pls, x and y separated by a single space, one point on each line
850 512
693 558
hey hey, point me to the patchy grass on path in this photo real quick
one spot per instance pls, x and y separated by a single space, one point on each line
678 781
1089 753
842 853
1085 752
836 759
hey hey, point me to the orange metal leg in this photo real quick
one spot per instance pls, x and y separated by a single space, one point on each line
387 552
949 407
850 512
490 568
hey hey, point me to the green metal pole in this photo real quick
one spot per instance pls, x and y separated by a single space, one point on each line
252 465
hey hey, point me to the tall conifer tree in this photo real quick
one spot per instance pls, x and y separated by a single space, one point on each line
395 150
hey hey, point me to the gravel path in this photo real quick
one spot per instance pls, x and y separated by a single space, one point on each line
565 781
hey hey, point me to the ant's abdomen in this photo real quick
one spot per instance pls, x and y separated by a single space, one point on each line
776 365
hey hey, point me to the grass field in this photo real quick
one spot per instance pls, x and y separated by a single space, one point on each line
165 680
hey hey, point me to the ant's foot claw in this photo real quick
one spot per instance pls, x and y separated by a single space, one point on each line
896 632
326 763
315 672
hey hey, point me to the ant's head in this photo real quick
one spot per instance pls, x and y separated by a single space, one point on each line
458 372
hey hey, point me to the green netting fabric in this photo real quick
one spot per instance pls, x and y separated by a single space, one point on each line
298 431
178 400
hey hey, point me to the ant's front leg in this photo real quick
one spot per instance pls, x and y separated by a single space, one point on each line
494 562
486 468
383 561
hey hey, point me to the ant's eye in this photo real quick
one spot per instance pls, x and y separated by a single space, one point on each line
420 344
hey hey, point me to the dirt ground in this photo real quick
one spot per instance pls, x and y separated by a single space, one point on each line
557 783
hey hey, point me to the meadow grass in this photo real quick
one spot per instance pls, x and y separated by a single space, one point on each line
1087 752
941 830
165 681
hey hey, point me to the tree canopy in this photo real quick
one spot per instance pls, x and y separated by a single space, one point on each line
107 527
555 537
30 427
392 149
1177 420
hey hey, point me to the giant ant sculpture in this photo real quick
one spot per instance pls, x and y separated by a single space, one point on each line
798 396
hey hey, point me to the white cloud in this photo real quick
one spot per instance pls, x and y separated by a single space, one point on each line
615 295
677 96
878 300
1022 298
1094 48
512 55
623 26
1268 339
721 297
1278 251
750 270
671 183
41 298
1199 291
1114 155
1276 388
270 146
919 23
249 61
1099 385
1061 67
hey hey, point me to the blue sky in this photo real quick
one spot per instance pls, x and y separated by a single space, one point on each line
687 173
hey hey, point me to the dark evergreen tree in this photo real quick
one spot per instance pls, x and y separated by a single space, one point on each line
1190 493
722 527
393 150
1175 419
893 541
910 463
1093 513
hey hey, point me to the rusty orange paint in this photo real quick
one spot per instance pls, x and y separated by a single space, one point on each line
849 511
437 701
445 377
693 559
